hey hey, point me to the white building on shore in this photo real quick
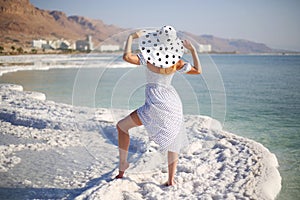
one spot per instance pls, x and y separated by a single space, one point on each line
38 43
109 47
85 45
204 48
52 44
60 44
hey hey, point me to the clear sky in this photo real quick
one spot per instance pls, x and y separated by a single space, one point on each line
273 22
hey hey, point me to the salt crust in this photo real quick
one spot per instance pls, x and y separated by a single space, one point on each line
73 149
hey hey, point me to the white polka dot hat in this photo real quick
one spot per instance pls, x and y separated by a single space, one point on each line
162 48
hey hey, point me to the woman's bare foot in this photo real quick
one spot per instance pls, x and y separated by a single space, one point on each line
170 183
122 168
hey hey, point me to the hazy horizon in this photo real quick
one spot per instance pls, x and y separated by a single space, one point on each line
274 23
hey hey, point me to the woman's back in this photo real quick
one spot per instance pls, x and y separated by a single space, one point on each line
156 78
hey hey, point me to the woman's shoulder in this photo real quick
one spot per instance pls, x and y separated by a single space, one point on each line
179 64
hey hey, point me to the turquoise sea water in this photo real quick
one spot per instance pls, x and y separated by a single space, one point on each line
253 96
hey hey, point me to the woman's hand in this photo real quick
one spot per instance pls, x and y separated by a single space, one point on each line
136 34
187 44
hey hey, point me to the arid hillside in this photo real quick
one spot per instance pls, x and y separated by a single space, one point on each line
21 22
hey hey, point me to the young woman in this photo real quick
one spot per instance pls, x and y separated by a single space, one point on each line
162 115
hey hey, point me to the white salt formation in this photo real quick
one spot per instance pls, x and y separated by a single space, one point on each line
50 150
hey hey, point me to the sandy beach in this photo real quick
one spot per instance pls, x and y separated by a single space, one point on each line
57 151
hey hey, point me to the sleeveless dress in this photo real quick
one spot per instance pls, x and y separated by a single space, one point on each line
162 113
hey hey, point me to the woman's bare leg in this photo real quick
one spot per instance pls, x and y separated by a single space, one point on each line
172 164
124 141
123 127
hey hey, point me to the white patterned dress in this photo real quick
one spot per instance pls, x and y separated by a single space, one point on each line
162 113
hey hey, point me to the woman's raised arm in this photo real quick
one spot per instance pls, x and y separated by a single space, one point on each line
128 56
197 69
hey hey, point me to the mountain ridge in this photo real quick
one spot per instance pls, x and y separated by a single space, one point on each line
231 45
21 22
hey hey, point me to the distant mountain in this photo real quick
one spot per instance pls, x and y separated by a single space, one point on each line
231 45
21 22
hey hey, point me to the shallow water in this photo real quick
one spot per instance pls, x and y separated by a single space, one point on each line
262 96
